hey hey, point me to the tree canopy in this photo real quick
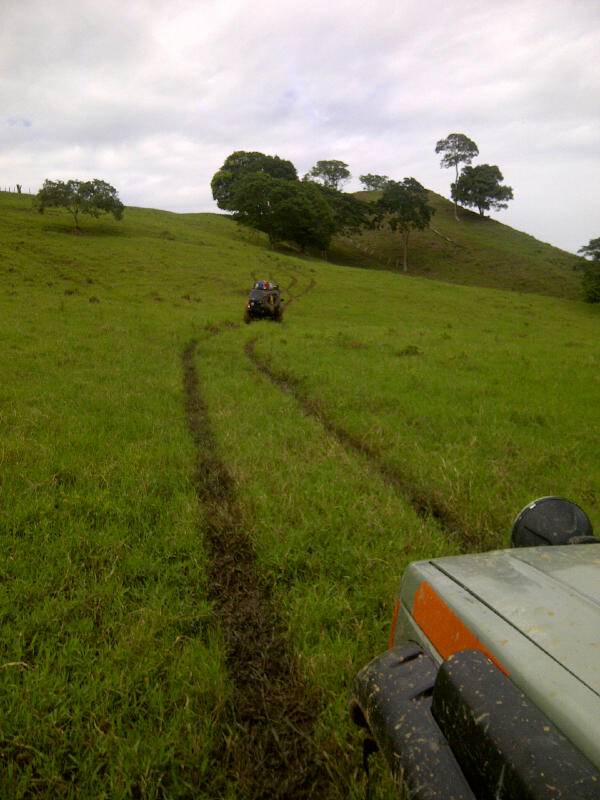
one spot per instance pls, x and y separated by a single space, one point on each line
456 149
591 273
285 210
264 192
403 207
373 183
330 173
93 197
591 250
349 213
479 187
243 163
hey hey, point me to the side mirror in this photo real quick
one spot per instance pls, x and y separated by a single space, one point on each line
552 521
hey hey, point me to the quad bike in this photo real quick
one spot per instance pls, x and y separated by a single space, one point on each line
490 687
264 302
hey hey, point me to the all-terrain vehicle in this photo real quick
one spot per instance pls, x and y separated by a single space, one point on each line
264 302
490 688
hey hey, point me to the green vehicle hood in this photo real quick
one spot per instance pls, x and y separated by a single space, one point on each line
534 611
551 595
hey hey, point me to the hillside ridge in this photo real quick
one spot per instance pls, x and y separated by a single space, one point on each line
477 251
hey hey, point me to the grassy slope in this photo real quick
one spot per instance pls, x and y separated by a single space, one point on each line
483 399
113 673
105 629
481 252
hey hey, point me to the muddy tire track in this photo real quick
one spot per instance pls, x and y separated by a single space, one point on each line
424 504
266 746
291 284
295 297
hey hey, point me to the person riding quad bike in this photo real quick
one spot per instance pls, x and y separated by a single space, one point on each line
264 301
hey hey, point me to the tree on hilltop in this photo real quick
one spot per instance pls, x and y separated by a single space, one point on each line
264 193
591 273
403 207
457 149
373 183
591 250
349 213
241 163
93 197
330 173
480 188
287 211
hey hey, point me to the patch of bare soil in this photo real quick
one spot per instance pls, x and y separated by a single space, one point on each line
266 746
426 504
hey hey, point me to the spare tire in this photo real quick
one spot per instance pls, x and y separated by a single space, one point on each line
552 521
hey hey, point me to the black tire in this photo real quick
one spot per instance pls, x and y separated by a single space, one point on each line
552 521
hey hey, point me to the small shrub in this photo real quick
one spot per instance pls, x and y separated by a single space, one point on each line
410 350
591 282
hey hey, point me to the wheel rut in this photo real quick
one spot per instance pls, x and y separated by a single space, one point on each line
425 504
265 746
295 297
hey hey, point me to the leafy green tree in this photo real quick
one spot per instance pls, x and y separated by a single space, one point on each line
404 207
330 173
94 198
591 282
349 213
480 188
243 163
591 273
373 183
287 211
457 149
591 250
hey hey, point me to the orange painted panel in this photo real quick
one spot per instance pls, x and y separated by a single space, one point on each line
444 629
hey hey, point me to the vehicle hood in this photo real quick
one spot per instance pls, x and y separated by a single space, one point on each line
551 595
258 295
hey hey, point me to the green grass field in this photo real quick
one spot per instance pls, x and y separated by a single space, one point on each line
388 418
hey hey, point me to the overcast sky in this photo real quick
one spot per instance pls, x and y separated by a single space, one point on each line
152 96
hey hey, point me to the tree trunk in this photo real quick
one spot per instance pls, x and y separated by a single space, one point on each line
405 252
455 200
75 213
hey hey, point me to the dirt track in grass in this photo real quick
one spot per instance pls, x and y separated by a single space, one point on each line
295 297
425 504
266 747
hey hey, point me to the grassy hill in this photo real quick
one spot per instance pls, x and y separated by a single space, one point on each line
203 524
474 252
